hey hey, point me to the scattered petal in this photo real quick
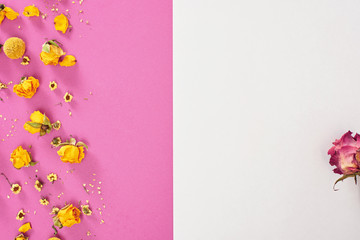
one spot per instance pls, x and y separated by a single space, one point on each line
68 61
31 11
61 23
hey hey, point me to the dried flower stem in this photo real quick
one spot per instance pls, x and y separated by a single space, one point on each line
56 232
7 179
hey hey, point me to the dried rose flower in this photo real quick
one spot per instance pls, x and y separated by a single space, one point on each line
39 124
345 156
67 216
51 52
27 87
20 157
72 151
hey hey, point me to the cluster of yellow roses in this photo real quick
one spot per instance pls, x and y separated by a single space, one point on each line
65 217
15 48
70 151
51 52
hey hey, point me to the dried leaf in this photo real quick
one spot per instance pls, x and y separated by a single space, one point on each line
34 124
82 144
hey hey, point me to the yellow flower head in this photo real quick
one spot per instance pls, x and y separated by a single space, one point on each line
54 238
56 141
68 97
14 48
20 158
39 123
52 177
61 23
27 87
56 125
38 185
21 237
69 216
44 201
25 61
53 85
71 153
51 52
68 61
20 216
86 210
25 227
31 11
16 188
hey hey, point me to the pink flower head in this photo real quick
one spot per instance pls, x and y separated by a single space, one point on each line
345 154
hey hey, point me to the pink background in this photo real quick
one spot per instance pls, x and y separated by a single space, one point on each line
125 59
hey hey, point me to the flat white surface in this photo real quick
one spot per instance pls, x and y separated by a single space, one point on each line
261 89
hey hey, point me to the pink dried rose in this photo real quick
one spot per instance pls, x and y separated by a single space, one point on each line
345 155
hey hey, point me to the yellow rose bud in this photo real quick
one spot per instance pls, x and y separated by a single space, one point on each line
69 216
71 153
24 228
51 54
31 11
36 123
68 61
20 158
61 23
27 87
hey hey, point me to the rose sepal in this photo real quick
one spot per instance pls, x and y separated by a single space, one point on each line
342 178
